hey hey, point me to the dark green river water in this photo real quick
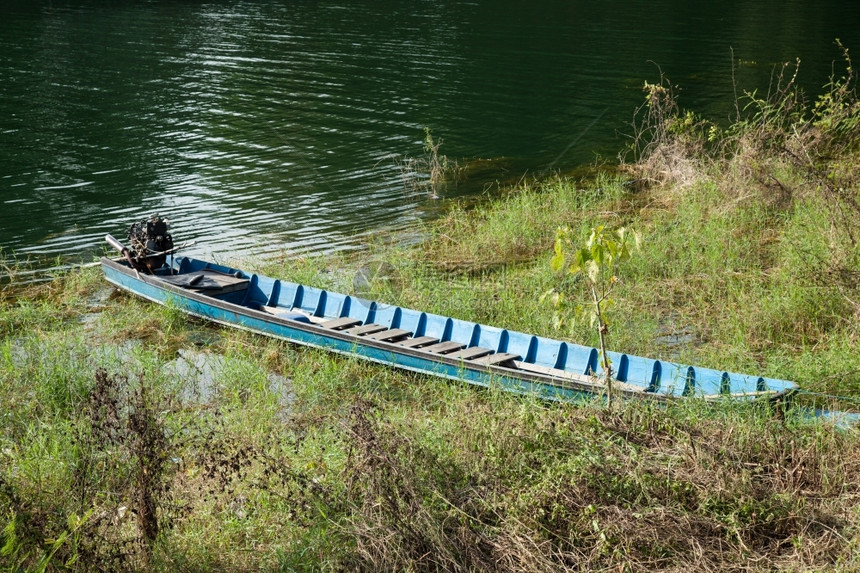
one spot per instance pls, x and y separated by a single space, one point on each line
263 127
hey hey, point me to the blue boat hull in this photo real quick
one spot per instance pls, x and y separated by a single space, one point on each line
422 342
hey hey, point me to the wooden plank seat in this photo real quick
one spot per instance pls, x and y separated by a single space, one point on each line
419 341
471 353
575 377
341 323
498 359
282 312
365 329
443 347
389 335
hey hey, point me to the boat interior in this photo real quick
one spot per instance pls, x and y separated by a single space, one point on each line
466 341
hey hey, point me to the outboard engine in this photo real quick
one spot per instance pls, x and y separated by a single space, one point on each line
149 242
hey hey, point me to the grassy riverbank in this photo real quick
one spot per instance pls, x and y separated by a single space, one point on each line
133 438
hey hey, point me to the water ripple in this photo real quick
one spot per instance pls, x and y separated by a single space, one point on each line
258 127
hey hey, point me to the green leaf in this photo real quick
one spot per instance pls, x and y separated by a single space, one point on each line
592 269
612 247
592 239
544 296
583 256
557 261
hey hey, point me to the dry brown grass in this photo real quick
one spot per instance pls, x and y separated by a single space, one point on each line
628 490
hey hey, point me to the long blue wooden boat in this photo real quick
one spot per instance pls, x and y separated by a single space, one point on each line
420 341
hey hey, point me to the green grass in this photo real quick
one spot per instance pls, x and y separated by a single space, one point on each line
144 440
365 467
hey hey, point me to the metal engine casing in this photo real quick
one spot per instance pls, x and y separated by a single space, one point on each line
149 242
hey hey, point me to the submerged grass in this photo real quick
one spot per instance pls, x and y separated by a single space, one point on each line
134 438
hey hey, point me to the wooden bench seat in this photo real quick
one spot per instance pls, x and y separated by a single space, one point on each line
341 323
389 335
443 347
365 329
471 353
498 359
418 341
573 376
282 312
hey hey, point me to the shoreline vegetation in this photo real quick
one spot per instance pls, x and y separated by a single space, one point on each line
134 438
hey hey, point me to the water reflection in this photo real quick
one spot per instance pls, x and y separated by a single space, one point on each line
269 127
